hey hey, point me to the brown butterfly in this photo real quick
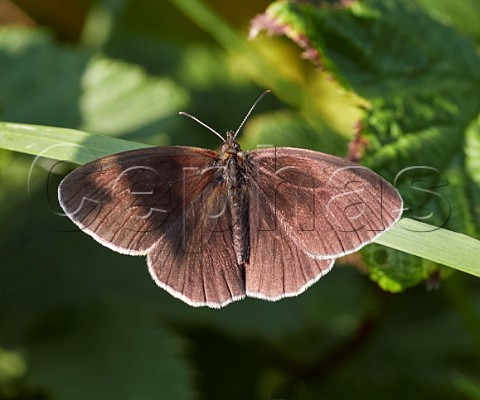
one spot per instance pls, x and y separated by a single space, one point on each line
217 227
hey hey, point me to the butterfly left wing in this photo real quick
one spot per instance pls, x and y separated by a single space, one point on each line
168 203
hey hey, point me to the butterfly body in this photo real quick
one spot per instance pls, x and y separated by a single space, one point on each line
235 160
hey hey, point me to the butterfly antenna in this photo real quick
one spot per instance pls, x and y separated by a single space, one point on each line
202 123
250 111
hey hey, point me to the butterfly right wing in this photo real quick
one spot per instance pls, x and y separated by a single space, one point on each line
328 206
306 209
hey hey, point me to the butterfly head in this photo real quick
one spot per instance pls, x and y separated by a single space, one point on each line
231 147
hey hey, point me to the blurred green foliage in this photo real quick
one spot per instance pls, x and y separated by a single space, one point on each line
79 321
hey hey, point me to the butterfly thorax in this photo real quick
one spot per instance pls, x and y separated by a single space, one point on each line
233 158
234 172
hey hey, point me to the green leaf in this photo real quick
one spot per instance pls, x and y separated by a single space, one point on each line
382 49
45 84
463 15
395 271
421 79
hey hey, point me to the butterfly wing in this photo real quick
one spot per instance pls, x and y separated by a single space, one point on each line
327 206
278 268
125 200
168 203
201 268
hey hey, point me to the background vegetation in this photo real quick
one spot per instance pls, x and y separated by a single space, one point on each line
391 84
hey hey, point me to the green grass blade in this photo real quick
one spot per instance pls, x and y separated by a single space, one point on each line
256 65
439 245
61 143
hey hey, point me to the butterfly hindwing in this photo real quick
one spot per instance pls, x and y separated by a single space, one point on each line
200 265
277 267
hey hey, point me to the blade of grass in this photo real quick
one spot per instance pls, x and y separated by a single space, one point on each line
61 143
255 64
439 245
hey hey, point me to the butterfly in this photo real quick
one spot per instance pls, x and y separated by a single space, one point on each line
216 227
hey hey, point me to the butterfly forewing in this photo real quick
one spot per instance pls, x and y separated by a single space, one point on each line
127 200
327 206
